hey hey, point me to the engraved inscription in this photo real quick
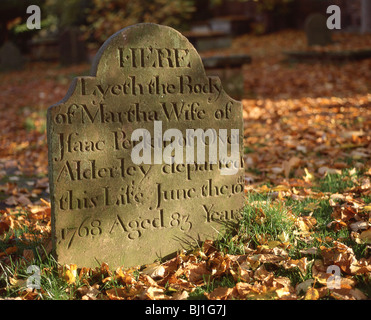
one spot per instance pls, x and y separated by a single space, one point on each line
154 57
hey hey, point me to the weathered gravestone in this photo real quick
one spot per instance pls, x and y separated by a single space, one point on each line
116 195
316 30
10 57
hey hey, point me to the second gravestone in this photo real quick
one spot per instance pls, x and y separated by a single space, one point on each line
145 155
316 30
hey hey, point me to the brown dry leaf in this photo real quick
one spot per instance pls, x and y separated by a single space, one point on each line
28 254
155 271
180 295
4 227
23 201
155 293
337 225
363 266
9 251
365 236
312 250
116 294
39 212
285 293
243 289
11 201
220 293
301 264
195 272
261 273
341 255
305 223
288 165
89 292
325 171
244 274
208 247
29 294
304 286
124 277
348 294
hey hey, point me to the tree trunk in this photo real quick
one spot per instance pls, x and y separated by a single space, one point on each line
366 16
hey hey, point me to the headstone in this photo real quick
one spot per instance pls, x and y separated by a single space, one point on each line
128 181
233 25
229 69
316 30
10 57
44 49
209 40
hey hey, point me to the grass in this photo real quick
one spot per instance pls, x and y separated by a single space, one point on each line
39 271
267 220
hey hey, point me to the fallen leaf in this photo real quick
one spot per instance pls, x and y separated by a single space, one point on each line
365 236
219 293
304 286
180 295
70 273
89 292
155 271
311 294
9 251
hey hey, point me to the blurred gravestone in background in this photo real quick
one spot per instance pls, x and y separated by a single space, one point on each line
316 30
10 57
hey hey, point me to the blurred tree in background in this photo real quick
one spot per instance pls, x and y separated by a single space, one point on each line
13 17
98 19
105 17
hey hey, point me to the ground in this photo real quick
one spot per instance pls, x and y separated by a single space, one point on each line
306 230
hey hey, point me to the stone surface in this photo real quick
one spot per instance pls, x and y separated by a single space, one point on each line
107 205
317 31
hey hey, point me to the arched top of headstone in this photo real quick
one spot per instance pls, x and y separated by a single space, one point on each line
145 45
317 31
10 57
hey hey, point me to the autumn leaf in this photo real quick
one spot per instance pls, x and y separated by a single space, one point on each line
311 294
9 251
155 270
69 273
116 294
89 292
288 165
365 236
220 293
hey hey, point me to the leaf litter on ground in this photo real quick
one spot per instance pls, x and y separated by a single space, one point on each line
307 141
